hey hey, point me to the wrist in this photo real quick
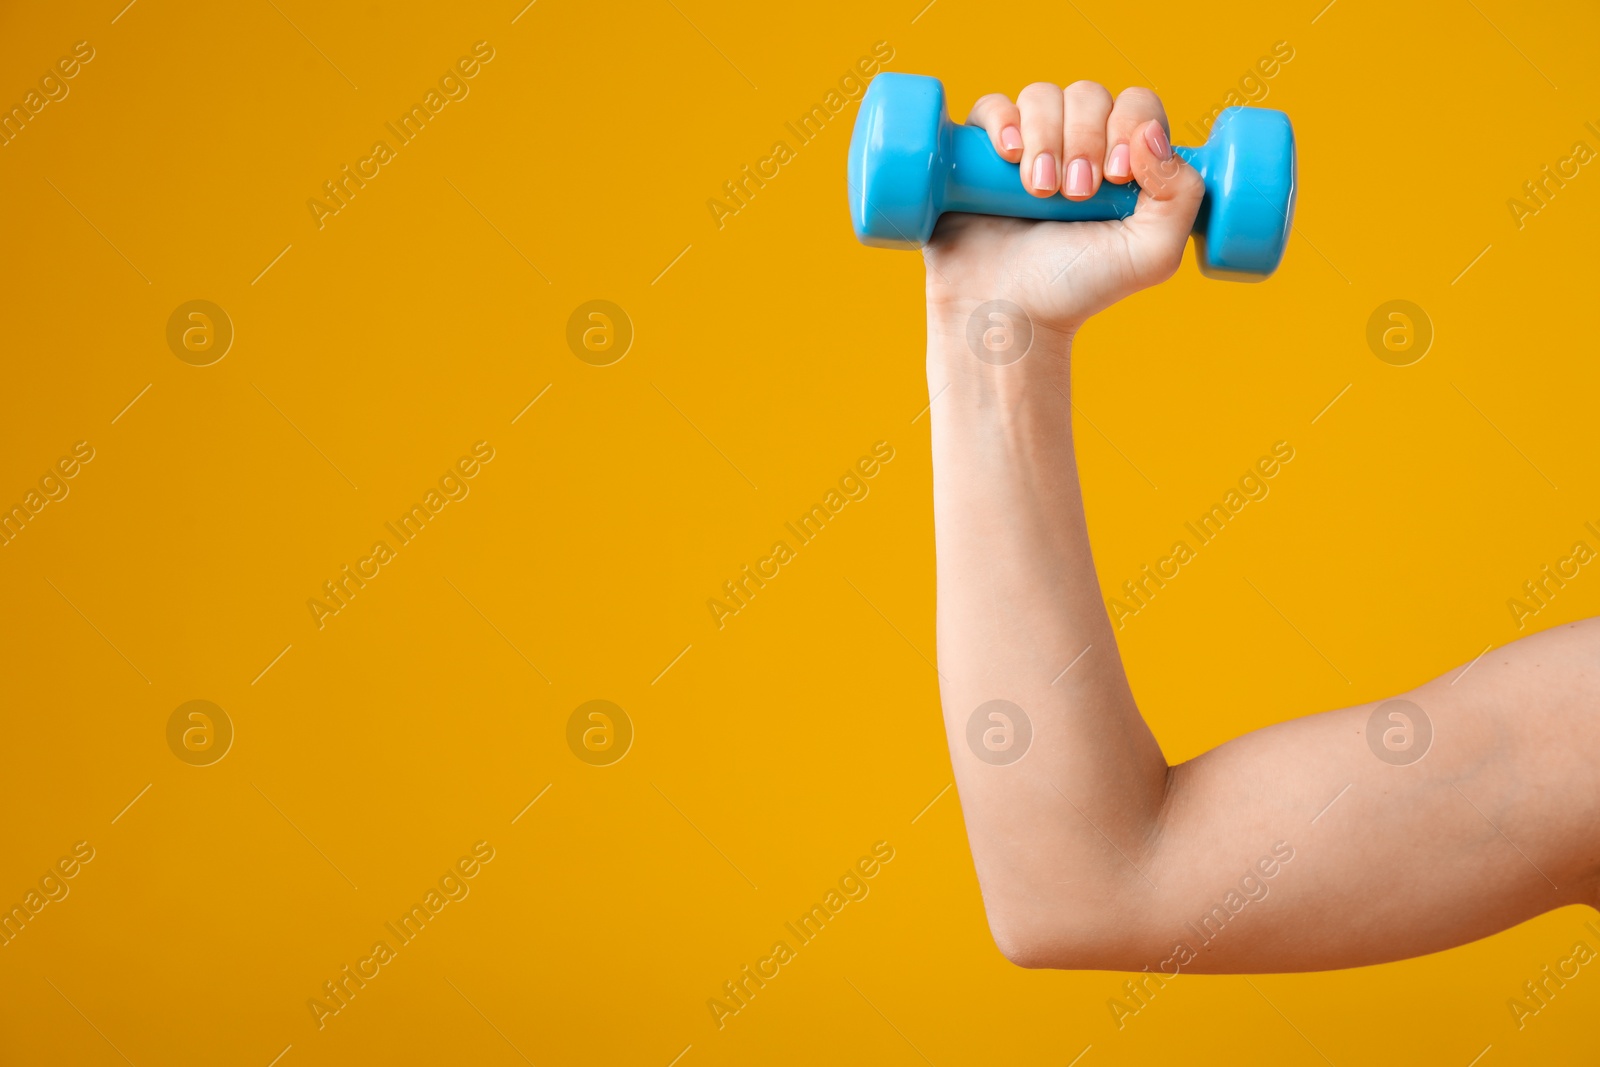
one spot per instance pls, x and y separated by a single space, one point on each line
993 341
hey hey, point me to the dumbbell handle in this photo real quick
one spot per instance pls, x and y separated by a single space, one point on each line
982 182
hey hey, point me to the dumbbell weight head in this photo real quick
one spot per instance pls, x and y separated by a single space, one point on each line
909 164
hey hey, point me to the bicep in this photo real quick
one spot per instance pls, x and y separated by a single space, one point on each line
1386 830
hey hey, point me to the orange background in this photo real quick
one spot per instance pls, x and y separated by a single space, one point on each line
768 355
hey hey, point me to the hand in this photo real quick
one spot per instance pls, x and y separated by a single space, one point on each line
1060 273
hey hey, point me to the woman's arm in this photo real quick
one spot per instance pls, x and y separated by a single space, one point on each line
1296 847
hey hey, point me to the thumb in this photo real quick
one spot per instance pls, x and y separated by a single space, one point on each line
1169 198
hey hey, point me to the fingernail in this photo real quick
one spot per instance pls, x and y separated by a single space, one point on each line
1117 165
1044 172
1156 138
1079 178
1011 138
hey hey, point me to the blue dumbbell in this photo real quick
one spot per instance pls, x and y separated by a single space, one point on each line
909 164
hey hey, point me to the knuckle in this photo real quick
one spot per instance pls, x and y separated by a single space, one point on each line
1038 92
1088 92
1137 94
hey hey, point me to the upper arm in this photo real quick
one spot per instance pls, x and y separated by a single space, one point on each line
1375 851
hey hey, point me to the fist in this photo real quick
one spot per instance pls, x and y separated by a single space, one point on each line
1069 141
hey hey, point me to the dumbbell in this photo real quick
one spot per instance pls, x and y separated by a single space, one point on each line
909 164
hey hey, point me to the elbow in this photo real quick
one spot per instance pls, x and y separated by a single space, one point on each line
1031 944
1032 939
1028 953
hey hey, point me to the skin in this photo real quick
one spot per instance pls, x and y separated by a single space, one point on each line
1092 851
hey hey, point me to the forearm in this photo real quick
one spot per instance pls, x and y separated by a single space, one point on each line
1018 605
